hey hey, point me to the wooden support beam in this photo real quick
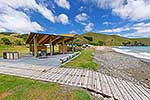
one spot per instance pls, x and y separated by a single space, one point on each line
43 38
60 41
30 38
56 38
35 46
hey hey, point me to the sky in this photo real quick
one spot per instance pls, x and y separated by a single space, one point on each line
127 18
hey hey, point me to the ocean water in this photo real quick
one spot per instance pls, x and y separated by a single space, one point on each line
136 51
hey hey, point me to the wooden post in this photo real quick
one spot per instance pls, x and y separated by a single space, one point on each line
72 47
30 48
63 46
53 47
35 46
51 53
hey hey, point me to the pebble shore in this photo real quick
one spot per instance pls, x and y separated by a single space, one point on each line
123 66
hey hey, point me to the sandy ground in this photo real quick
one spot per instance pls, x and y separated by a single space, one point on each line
122 66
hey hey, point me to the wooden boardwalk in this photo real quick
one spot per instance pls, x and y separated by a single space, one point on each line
94 81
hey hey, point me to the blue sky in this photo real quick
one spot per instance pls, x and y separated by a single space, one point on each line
128 18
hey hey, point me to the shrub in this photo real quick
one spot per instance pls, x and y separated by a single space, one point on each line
17 42
5 41
88 38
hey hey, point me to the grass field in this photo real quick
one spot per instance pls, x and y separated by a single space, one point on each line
85 60
21 49
15 88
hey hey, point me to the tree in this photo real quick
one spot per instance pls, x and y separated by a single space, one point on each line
5 41
88 38
24 36
17 42
101 43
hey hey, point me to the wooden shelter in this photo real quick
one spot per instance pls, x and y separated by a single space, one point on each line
37 42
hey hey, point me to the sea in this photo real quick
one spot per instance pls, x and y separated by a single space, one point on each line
136 51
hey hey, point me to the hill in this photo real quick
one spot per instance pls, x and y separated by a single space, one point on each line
109 40
13 37
86 38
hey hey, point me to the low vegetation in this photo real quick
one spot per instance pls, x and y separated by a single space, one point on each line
85 60
15 88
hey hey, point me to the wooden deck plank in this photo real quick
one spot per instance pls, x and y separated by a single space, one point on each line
106 86
47 74
126 95
99 88
83 78
90 76
79 78
75 78
54 73
44 73
94 82
115 90
133 94
58 75
61 79
64 73
143 90
146 89
70 77
138 91
86 78
67 75
102 84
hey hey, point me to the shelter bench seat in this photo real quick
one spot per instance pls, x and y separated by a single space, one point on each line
65 59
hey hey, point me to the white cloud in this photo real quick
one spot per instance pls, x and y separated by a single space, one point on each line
73 32
127 9
28 4
12 19
46 13
63 3
2 29
134 10
62 18
107 23
81 18
141 30
16 21
89 27
135 30
115 30
82 8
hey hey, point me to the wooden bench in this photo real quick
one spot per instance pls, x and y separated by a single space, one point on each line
65 59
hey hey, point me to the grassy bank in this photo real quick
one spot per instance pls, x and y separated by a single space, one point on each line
15 88
6 48
85 60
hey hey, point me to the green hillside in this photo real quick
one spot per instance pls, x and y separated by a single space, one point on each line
87 38
109 40
12 42
13 37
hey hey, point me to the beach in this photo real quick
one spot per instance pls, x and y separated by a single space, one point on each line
122 66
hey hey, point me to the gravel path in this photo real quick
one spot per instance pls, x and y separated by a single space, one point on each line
123 66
